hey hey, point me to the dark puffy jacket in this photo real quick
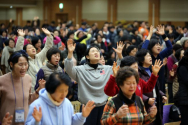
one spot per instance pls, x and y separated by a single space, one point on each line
182 74
145 76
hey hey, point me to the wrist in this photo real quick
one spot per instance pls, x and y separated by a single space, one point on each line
120 56
164 36
155 74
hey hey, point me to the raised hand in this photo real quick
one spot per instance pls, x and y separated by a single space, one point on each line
42 83
86 110
153 111
172 73
157 66
21 32
151 30
7 120
46 31
71 45
122 111
164 99
115 69
151 101
160 30
120 46
37 114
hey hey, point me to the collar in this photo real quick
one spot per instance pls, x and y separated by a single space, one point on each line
88 67
53 101
51 66
125 99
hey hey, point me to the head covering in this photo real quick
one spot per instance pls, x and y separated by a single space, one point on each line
183 39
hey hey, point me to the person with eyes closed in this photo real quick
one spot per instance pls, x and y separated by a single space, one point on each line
15 88
36 60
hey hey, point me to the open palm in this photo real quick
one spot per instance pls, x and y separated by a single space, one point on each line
120 46
46 31
160 30
71 45
115 69
21 32
86 110
37 114
7 120
157 66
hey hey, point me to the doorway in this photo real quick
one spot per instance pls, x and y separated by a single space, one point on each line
62 16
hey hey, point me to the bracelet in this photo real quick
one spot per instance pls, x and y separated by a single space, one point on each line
164 36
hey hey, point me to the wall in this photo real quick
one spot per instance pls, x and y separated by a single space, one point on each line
173 10
94 9
30 13
131 10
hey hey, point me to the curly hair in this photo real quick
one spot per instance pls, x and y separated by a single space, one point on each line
125 73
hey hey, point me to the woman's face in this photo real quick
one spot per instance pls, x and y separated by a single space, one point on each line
21 67
39 44
133 52
80 34
56 33
121 33
186 44
100 32
60 93
11 44
94 54
4 34
181 54
134 66
156 49
99 39
129 86
147 59
102 61
55 59
31 51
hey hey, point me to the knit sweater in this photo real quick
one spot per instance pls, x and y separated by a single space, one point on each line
36 63
7 97
111 88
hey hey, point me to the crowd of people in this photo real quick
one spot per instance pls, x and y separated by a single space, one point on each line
117 73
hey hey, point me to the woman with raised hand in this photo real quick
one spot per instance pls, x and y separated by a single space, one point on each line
91 79
155 48
52 65
155 97
127 108
35 60
53 108
15 89
111 88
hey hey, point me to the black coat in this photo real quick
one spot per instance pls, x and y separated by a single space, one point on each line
182 74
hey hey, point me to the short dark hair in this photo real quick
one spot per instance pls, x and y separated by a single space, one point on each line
125 73
176 47
140 56
152 43
128 61
55 80
52 51
25 47
171 35
70 33
178 53
15 57
129 49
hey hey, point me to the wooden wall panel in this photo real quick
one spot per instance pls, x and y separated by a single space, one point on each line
154 12
72 7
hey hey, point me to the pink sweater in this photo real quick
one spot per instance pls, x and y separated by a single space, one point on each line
7 98
56 40
25 41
